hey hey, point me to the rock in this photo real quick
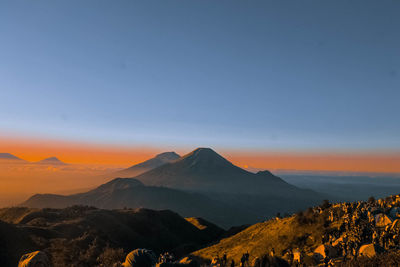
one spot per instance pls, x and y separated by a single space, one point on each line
323 251
140 258
339 241
189 261
34 259
367 250
296 256
382 220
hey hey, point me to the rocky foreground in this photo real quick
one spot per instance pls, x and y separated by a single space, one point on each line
343 234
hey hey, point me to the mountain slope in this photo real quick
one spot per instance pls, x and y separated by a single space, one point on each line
205 170
147 165
8 156
200 184
128 192
339 229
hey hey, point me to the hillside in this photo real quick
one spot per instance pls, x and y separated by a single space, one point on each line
342 233
128 192
147 165
14 242
205 170
82 234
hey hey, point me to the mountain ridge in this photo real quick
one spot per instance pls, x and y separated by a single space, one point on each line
147 165
201 183
9 156
205 170
122 193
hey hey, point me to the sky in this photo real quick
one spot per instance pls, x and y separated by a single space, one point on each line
291 77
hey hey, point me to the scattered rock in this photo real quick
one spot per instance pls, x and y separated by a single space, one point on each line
382 220
140 258
367 250
323 251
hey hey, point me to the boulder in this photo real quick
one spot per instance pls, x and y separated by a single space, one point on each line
140 258
296 256
339 241
367 250
34 259
382 220
323 251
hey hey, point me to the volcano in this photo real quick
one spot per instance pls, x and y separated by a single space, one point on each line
51 161
205 170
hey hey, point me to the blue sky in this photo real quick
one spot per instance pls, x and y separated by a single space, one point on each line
282 75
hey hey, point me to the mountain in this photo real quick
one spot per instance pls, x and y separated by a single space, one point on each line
8 156
205 170
129 192
200 184
81 236
51 161
147 165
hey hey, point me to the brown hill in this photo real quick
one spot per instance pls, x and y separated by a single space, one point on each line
347 234
82 234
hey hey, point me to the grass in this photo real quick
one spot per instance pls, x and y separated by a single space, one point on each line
297 231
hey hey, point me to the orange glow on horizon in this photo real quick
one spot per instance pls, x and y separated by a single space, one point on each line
82 153
346 162
74 152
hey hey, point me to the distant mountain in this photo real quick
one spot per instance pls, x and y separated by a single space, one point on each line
147 165
200 184
65 233
8 156
205 170
131 193
51 161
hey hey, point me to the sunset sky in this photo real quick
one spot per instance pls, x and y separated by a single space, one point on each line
313 85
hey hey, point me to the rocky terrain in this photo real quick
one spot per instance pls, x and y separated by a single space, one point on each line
343 234
364 233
